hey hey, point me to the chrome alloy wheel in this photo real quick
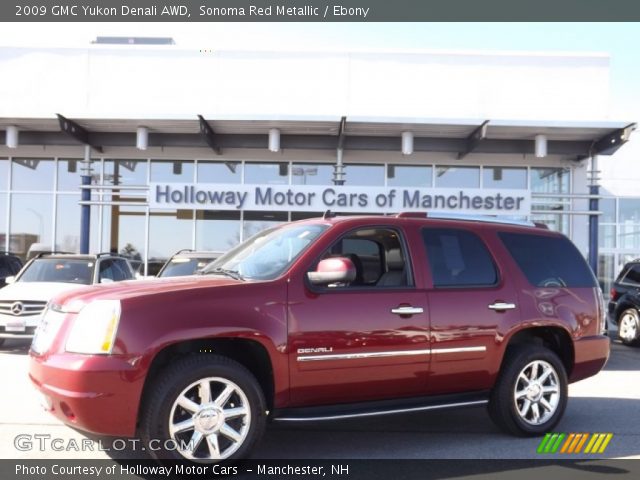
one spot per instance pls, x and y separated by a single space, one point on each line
210 419
628 327
537 392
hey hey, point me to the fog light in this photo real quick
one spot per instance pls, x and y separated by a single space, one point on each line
67 411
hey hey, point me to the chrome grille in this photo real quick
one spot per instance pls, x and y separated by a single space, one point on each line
22 308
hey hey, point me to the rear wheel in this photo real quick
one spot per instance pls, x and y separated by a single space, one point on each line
2 341
530 395
204 408
629 327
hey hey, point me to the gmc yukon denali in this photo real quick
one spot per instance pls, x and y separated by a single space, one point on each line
325 319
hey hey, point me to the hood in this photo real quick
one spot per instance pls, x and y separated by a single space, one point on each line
37 291
135 288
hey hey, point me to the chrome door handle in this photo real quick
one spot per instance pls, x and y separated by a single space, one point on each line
502 306
408 310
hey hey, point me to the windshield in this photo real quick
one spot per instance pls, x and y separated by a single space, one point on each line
59 270
269 253
178 267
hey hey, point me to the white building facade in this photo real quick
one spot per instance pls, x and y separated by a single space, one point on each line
469 121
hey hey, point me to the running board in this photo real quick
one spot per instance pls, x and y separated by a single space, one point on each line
370 409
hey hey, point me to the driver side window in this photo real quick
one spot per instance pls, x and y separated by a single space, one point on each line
378 256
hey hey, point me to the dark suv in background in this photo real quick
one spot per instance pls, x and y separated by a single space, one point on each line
10 265
625 303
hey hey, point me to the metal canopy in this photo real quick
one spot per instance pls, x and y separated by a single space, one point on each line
462 137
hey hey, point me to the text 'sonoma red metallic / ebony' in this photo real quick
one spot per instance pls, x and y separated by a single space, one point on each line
325 319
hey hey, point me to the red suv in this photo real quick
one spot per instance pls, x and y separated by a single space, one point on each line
325 319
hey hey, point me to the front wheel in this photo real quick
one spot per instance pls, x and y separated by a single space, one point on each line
204 408
629 327
530 395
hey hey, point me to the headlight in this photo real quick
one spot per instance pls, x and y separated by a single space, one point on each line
94 328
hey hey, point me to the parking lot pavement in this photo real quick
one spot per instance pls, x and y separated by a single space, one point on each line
609 402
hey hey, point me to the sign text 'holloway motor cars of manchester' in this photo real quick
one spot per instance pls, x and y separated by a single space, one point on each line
339 198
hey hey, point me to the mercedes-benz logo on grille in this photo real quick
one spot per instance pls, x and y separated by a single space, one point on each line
17 308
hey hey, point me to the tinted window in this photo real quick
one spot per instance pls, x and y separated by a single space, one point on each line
122 270
458 258
106 270
549 261
633 275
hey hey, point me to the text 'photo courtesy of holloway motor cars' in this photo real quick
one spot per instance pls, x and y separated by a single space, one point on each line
329 318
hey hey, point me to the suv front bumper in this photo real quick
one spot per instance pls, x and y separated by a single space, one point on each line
94 393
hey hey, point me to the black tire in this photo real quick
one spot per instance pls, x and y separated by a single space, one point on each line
2 341
504 408
629 327
178 380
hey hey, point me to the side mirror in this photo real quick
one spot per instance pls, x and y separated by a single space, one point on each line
106 280
10 280
333 270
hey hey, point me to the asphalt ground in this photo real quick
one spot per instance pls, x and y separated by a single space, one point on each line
608 402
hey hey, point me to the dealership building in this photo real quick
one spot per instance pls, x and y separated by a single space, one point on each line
201 149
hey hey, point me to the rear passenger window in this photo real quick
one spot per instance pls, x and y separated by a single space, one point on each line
458 258
548 261
633 276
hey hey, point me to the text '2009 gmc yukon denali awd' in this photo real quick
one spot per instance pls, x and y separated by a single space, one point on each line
323 319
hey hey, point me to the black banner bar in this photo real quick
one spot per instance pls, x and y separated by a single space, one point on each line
319 10
340 469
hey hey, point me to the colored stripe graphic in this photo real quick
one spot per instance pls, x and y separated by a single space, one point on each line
574 442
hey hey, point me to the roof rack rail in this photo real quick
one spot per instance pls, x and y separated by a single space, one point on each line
104 254
8 253
329 214
52 252
469 217
184 250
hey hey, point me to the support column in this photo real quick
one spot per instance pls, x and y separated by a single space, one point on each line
594 189
85 210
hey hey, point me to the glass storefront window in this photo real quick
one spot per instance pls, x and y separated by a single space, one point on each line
3 221
606 271
606 236
503 177
123 231
172 171
629 236
550 180
311 174
31 222
457 177
70 172
255 222
68 223
217 231
32 174
4 174
219 172
629 210
125 172
608 208
365 175
409 176
266 173
169 231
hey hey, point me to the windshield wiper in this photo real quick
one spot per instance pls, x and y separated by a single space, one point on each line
223 271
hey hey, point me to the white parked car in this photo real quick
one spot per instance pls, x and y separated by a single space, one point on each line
23 300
